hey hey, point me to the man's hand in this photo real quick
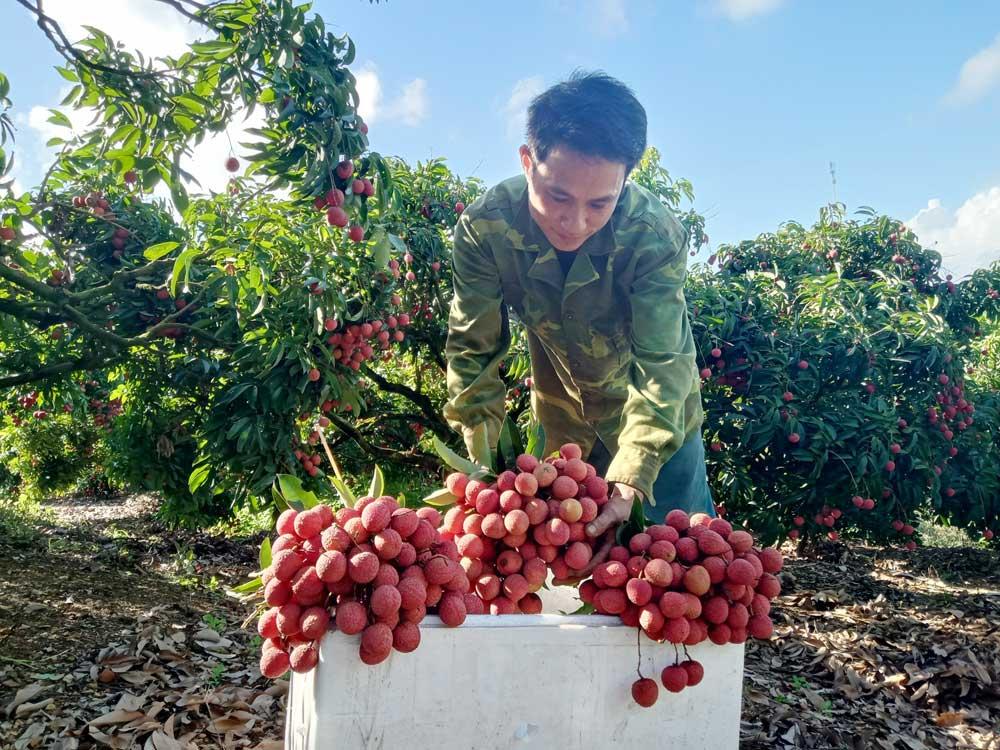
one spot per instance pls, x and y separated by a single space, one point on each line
616 511
600 555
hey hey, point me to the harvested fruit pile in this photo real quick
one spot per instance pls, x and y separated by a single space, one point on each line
512 531
376 566
684 582
377 569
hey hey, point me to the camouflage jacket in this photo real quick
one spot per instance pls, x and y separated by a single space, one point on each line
612 353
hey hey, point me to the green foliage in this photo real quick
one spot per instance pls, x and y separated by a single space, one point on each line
246 336
860 303
221 315
151 447
49 455
20 518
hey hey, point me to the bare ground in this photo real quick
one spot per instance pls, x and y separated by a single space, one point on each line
116 632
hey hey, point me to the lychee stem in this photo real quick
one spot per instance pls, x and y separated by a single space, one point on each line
638 650
686 654
329 454
677 655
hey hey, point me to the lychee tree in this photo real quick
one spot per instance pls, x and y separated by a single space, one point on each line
833 364
242 314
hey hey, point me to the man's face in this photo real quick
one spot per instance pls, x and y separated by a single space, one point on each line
571 196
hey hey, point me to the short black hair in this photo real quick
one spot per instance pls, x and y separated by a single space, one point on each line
591 113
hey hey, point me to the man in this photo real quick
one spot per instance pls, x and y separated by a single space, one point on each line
594 267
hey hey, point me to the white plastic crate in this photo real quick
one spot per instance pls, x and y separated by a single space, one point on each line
516 681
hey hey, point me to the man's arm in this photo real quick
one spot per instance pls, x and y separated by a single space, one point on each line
660 379
478 337
662 371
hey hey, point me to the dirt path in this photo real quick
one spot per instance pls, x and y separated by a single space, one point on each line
116 632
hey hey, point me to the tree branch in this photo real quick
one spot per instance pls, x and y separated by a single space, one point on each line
420 460
22 312
60 300
419 399
188 14
24 281
64 47
118 278
89 362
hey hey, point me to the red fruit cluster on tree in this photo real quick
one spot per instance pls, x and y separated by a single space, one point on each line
374 570
103 411
310 461
357 342
96 202
512 531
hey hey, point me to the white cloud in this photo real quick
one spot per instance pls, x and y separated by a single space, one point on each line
516 108
35 130
412 105
741 10
38 120
369 92
153 28
978 75
150 27
967 238
609 17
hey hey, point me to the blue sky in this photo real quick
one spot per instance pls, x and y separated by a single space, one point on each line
749 99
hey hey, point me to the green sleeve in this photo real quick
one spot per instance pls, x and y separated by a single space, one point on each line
663 367
478 337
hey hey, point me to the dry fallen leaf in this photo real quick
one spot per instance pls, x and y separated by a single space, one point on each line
24 695
949 719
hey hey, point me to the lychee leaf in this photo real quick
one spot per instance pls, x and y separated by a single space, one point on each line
509 446
378 483
381 248
295 495
452 459
344 491
264 556
249 586
536 442
635 524
481 452
440 498
278 500
198 476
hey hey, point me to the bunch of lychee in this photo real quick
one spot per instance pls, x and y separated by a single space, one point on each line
515 529
675 677
372 570
333 200
96 202
688 580
356 343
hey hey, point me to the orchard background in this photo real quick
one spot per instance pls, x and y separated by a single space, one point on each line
156 337
195 344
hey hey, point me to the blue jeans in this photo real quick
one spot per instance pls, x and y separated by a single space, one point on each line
681 483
